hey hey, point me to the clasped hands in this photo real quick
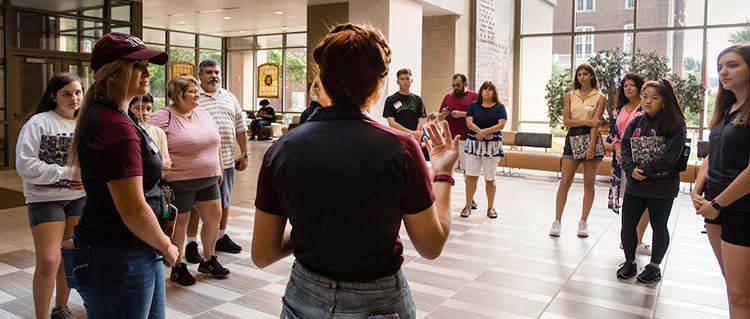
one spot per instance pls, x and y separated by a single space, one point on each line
703 207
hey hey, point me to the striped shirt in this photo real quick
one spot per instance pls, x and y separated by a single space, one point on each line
229 117
193 143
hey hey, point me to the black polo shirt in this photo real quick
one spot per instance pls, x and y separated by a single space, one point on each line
729 151
344 181
112 146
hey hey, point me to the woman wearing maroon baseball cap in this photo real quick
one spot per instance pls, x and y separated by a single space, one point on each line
118 240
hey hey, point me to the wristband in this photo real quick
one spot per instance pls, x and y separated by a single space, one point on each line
716 205
444 178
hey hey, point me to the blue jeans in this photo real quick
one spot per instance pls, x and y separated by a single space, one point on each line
123 283
309 295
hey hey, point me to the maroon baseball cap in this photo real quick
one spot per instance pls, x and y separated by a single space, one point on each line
115 45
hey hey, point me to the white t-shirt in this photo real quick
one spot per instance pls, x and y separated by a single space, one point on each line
41 158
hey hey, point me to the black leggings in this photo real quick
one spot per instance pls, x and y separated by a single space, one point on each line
632 210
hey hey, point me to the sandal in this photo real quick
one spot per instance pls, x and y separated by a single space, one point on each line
491 213
466 212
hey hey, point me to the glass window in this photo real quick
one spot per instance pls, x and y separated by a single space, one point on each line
121 29
68 40
542 59
209 42
243 43
186 59
728 11
240 77
121 12
154 36
296 80
546 16
210 54
94 29
669 13
158 80
270 56
607 16
269 41
629 4
584 5
584 45
296 40
627 39
94 13
182 39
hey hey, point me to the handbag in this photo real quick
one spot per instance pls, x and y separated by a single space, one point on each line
579 144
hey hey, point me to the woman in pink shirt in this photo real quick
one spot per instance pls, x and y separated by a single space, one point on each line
193 141
628 107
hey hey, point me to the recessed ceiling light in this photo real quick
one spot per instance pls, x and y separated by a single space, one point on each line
221 4
227 18
181 22
279 12
242 31
284 28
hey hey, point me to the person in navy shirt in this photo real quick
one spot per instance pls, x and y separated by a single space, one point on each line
485 119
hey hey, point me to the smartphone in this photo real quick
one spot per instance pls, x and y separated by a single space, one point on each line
236 165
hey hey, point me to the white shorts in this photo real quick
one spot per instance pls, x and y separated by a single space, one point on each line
461 155
476 164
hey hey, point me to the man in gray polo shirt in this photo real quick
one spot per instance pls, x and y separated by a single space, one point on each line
230 120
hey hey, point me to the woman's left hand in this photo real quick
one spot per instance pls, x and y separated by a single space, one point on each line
442 149
638 174
708 211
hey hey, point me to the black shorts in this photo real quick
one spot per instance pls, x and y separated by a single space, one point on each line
568 150
190 191
734 227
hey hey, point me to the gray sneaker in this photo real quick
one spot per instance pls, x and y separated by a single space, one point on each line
583 229
61 312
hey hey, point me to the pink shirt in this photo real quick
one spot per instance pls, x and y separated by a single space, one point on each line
193 143
623 119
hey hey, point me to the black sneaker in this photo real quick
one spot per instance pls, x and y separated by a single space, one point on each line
213 267
473 204
627 270
61 312
181 275
227 245
649 274
191 253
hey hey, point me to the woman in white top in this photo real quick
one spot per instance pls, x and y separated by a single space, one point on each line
582 112
54 193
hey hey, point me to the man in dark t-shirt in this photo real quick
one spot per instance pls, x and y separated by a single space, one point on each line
404 110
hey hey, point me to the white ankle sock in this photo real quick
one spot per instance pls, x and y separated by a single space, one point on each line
192 239
222 232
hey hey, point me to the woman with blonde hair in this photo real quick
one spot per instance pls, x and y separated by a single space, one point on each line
120 246
193 141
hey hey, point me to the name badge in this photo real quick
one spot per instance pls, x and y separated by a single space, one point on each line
153 147
397 105
589 107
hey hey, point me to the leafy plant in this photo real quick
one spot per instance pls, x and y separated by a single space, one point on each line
557 87
610 66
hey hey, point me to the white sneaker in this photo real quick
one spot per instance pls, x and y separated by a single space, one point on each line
643 249
583 229
555 230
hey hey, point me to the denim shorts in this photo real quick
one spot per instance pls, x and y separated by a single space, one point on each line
123 282
309 295
226 187
54 211
187 192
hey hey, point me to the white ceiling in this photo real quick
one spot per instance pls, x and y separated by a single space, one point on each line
246 17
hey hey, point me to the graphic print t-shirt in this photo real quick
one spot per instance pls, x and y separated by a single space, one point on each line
405 109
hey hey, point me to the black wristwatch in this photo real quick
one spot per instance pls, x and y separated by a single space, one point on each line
716 205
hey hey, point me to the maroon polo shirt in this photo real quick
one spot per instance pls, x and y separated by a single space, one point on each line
345 182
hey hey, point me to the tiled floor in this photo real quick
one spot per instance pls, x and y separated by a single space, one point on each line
503 268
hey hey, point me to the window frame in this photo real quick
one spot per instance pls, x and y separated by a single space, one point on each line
583 43
628 6
628 37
